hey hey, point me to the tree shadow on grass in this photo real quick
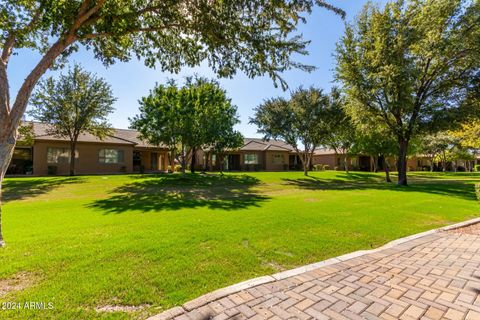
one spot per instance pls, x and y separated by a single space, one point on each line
460 189
175 192
28 187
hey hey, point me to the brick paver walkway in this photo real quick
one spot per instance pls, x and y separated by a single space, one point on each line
433 277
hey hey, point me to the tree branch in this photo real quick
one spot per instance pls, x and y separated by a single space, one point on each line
23 95
126 32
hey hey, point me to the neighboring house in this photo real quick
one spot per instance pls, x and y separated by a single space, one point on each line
326 156
334 160
255 155
122 151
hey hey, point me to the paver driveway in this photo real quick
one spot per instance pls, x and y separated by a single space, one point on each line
436 276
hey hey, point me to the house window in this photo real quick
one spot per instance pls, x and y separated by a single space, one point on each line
110 156
277 159
251 158
58 155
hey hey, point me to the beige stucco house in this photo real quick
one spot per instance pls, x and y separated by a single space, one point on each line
326 156
120 152
254 155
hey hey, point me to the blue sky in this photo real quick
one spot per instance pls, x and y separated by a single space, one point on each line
132 80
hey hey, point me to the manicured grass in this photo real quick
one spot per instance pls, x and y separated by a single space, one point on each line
91 241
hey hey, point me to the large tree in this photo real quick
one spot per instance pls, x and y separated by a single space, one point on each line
340 133
410 66
300 121
77 102
188 118
255 36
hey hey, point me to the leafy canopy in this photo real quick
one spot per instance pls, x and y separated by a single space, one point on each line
254 36
411 64
301 120
77 102
198 114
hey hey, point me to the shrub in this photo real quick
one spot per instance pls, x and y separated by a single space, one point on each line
326 167
477 167
177 168
318 167
461 169
477 191
336 168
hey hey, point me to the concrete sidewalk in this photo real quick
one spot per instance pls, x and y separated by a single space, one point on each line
433 275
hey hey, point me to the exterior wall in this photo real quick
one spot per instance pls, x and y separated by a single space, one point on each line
251 167
270 166
326 159
146 155
87 161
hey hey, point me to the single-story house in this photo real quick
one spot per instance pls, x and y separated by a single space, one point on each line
254 155
326 156
121 151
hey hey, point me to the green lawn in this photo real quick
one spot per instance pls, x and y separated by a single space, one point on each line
157 241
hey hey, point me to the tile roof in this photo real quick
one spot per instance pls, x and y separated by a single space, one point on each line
324 152
255 144
118 136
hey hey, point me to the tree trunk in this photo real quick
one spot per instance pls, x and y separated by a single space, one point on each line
402 162
444 162
184 159
6 151
72 157
305 164
345 163
193 160
210 165
387 170
221 159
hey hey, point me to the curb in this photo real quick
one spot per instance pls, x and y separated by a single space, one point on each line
223 292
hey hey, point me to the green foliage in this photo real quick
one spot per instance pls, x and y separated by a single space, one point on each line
402 73
340 132
321 167
433 145
26 134
185 119
477 167
77 102
303 118
257 37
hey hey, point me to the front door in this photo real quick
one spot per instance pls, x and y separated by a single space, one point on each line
154 161
137 161
233 162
